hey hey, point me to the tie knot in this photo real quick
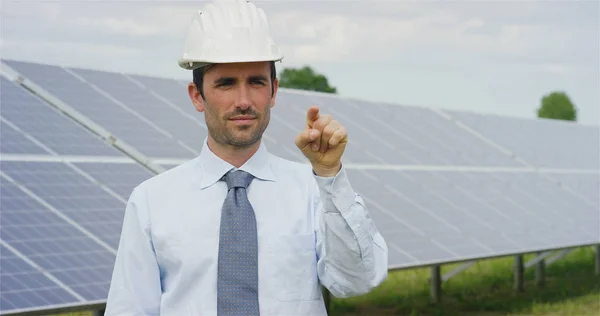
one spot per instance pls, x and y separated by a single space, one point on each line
237 179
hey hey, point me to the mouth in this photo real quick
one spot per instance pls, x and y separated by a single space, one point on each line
242 119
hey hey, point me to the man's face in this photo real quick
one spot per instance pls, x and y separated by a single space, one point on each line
237 102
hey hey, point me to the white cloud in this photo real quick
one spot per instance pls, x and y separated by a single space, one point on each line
559 69
121 26
26 9
308 32
65 47
147 21
142 18
336 37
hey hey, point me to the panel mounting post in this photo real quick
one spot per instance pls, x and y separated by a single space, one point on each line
326 298
540 269
435 283
98 313
519 271
597 259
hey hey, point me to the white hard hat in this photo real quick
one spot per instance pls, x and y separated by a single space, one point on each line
228 31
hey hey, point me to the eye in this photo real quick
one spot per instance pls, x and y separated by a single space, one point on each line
258 81
225 82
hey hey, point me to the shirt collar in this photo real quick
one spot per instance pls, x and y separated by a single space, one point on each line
213 167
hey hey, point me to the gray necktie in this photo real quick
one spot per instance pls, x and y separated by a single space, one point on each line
237 278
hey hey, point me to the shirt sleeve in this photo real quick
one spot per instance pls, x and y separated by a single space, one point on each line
352 254
135 286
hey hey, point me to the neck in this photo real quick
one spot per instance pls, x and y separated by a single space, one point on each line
236 156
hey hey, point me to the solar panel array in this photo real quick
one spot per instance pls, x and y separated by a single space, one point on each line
442 186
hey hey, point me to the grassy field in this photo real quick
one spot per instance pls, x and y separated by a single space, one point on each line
485 289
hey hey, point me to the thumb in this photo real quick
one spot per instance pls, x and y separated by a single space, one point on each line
306 137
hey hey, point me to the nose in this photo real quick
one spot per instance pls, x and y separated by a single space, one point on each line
244 98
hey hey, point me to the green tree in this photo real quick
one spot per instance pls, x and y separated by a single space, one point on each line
305 78
557 105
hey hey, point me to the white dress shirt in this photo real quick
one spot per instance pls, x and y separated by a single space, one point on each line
312 231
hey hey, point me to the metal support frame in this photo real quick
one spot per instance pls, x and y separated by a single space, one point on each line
98 313
326 298
540 266
436 280
457 270
597 259
540 257
519 273
540 272
541 261
435 283
558 256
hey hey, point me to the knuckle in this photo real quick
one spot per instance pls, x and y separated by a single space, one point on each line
329 130
319 124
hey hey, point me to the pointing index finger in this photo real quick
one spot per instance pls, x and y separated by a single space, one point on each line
312 115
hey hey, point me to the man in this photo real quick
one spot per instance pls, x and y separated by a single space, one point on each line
238 231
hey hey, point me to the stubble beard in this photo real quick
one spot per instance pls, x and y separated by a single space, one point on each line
218 130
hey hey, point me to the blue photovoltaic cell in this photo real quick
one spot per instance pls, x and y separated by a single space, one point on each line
14 142
184 128
585 185
542 142
426 216
394 134
24 287
51 128
75 196
119 177
51 242
101 110
175 92
429 216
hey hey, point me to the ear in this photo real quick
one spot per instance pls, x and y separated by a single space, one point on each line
275 86
195 96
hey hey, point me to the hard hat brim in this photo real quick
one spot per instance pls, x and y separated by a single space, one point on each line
194 63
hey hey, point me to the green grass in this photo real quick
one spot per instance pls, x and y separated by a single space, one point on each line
485 289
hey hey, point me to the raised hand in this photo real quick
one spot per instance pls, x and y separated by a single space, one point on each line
322 141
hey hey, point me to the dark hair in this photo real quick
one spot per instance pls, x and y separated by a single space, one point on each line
198 77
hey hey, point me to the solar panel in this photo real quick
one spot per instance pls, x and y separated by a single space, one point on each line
14 142
76 196
431 216
20 279
392 134
543 143
442 186
45 241
53 129
586 185
185 129
101 109
119 177
170 90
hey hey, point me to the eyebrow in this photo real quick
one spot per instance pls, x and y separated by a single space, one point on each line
258 77
224 80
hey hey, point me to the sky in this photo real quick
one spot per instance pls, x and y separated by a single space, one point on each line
498 57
